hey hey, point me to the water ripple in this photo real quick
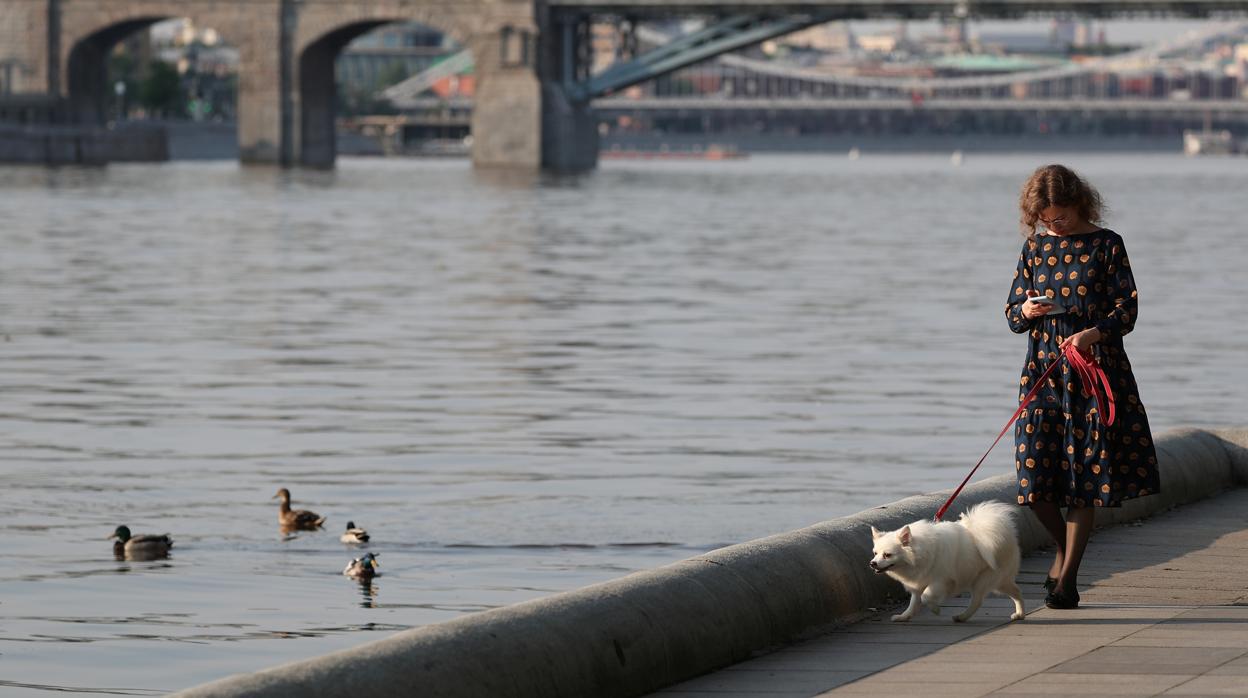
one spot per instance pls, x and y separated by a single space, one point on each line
516 386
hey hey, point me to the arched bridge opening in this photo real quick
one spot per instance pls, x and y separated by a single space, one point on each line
147 69
373 67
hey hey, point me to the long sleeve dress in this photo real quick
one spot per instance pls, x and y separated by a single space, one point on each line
1063 451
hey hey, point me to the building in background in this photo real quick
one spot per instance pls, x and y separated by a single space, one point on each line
384 57
833 37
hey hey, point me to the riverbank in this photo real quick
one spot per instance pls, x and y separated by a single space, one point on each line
83 145
897 143
652 629
211 140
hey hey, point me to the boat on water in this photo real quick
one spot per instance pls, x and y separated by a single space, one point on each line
664 152
1210 142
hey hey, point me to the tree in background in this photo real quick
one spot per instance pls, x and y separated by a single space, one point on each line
123 68
161 93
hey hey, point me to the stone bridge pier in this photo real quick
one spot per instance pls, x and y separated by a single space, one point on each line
287 48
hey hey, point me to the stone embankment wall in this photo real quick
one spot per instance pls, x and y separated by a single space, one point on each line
83 145
633 635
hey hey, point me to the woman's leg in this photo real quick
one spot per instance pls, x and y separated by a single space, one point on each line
1078 529
1051 518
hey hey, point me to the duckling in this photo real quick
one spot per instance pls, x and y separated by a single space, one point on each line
144 547
296 519
354 535
362 567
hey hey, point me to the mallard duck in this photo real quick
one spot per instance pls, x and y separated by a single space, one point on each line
354 535
299 519
139 547
362 567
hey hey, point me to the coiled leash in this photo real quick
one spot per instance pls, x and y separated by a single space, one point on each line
1092 377
1094 383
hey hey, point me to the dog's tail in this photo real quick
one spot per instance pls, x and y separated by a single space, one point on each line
991 525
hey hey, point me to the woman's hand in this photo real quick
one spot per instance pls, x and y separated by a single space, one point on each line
1084 340
1033 310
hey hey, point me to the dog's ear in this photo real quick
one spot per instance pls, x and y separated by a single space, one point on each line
904 535
876 533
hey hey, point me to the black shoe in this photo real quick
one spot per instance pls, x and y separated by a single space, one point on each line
1062 600
1050 583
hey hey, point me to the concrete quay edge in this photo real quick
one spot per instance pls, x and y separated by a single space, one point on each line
651 629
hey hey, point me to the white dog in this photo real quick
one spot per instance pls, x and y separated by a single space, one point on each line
933 561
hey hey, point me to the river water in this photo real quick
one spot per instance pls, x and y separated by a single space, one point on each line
519 385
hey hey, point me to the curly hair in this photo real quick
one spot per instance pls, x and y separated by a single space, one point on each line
1057 185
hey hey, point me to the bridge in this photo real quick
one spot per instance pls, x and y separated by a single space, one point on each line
535 90
1147 90
1138 91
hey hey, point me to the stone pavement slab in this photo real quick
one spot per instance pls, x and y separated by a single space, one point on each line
1105 684
1164 611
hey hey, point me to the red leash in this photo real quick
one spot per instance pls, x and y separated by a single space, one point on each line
1093 378
1090 374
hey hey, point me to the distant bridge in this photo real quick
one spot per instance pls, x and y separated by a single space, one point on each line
1237 108
532 58
863 9
1143 58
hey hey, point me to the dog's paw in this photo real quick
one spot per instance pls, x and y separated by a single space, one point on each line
1018 616
901 618
936 610
961 618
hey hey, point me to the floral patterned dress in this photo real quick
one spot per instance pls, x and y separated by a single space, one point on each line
1063 451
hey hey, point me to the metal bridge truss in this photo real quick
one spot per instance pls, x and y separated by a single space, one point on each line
747 28
745 80
406 93
719 37
1144 58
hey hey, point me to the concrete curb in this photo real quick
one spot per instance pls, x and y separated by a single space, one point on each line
634 635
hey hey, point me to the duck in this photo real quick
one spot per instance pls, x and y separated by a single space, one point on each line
362 567
146 546
354 535
298 519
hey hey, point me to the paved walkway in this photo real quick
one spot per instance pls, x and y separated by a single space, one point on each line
1164 612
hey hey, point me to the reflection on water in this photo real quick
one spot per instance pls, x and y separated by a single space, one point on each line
121 554
293 532
521 384
368 592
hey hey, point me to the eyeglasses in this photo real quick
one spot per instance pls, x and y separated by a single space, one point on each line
1059 221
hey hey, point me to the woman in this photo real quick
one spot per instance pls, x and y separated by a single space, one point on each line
1066 455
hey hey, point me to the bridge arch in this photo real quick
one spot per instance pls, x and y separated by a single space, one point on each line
322 34
90 30
89 33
